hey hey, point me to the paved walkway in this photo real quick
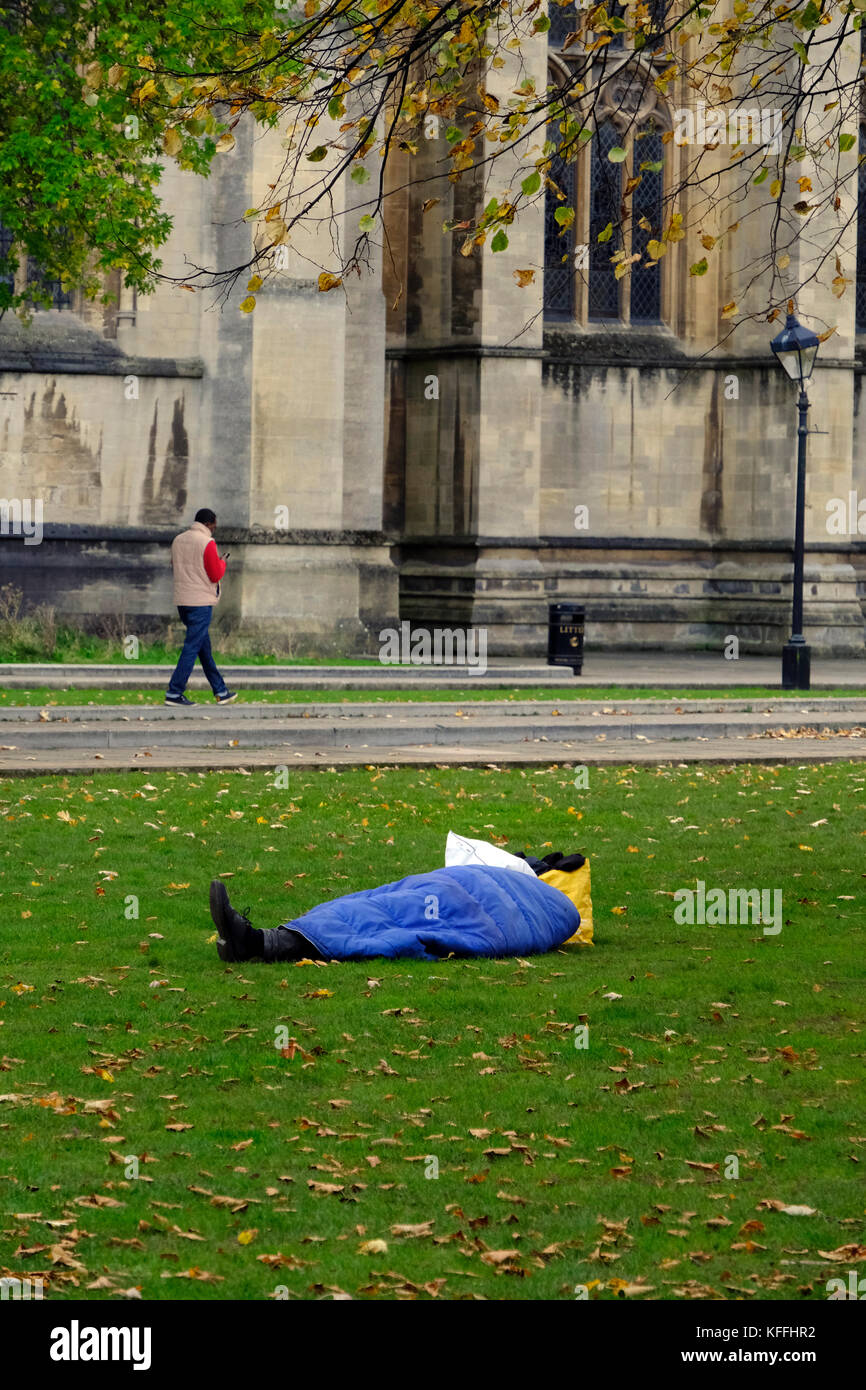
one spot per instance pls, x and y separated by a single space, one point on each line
75 738
668 670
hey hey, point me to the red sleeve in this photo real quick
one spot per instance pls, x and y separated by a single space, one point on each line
215 568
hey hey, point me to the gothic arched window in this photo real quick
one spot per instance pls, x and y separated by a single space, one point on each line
579 269
7 277
605 193
559 264
564 20
647 210
30 274
59 297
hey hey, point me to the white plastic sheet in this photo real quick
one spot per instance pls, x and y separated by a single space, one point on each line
459 849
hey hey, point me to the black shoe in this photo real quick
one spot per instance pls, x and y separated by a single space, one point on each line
237 939
178 700
226 697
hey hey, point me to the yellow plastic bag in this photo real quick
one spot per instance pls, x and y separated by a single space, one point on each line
576 886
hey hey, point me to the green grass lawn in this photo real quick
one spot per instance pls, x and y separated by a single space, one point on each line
259 1169
38 635
83 650
43 696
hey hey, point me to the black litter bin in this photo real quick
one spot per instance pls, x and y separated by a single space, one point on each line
565 636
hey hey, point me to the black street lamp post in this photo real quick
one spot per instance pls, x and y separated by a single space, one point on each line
796 348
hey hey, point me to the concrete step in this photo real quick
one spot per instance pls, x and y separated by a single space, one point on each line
670 670
803 707
422 726
81 762
135 676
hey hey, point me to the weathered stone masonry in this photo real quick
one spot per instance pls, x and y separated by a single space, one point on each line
415 445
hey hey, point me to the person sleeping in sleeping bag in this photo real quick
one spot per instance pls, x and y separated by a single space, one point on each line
461 910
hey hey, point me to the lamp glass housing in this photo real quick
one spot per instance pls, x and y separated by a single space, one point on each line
796 348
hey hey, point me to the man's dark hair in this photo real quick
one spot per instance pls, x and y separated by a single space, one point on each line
206 515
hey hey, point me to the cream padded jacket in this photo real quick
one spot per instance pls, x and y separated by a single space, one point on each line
192 588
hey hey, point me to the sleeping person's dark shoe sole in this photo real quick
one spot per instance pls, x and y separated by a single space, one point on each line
220 908
236 938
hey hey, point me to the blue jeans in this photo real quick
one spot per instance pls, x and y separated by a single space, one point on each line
197 644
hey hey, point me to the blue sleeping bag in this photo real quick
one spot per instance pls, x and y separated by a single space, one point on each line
468 910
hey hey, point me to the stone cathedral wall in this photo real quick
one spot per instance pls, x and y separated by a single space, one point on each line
422 444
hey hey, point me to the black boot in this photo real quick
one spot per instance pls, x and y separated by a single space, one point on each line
281 943
237 939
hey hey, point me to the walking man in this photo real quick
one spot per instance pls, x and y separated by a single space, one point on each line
197 568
